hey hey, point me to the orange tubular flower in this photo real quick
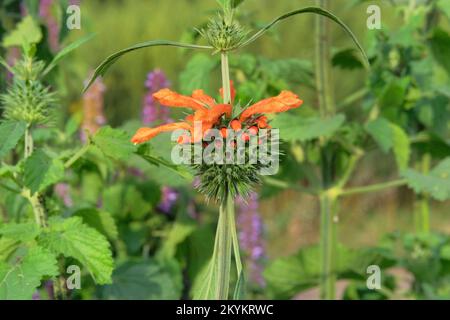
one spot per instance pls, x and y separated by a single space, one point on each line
209 113
285 101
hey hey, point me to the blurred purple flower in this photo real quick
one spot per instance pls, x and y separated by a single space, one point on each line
169 197
45 12
93 105
251 227
62 191
151 110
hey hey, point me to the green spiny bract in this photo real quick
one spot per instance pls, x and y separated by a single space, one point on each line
223 33
219 180
27 99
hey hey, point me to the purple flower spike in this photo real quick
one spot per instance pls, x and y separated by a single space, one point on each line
251 229
168 199
152 111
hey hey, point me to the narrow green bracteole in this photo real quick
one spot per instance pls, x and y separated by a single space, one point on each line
109 61
315 10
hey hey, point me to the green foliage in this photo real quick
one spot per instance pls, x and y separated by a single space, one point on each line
298 128
440 46
20 231
142 280
72 238
27 31
19 280
114 143
346 59
290 275
11 133
391 137
197 73
41 171
101 221
436 183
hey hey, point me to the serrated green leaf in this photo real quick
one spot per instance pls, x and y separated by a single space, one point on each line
71 238
436 183
197 73
296 128
288 276
10 132
142 280
27 32
101 221
7 247
390 136
401 146
114 143
20 231
440 46
41 171
20 280
380 130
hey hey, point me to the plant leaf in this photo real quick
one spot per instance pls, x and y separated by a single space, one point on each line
26 32
109 61
19 281
20 231
315 10
197 73
239 290
436 183
390 136
41 171
296 128
65 51
114 143
142 280
10 132
72 238
101 221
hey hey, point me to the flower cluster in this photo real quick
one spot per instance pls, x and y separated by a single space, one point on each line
218 180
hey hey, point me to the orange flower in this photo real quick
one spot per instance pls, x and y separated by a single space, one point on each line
209 113
285 101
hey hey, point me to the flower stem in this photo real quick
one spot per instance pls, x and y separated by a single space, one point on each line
373 188
327 247
236 250
226 78
323 77
223 246
76 156
38 209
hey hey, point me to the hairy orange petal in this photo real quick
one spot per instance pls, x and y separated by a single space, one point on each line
145 134
236 125
204 98
169 98
285 101
232 90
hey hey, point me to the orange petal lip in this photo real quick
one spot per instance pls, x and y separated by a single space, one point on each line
169 98
145 134
285 101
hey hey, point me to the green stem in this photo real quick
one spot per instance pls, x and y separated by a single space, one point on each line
373 188
422 204
223 243
38 209
328 243
323 77
236 250
226 78
76 156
